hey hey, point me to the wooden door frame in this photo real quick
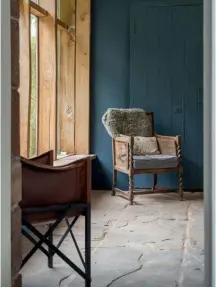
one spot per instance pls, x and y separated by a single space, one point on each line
209 32
5 96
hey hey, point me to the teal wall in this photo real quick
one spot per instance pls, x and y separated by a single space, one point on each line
117 55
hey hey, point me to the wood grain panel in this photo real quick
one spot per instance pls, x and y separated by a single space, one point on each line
25 76
47 78
67 80
67 12
82 102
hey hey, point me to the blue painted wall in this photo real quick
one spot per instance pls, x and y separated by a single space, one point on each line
112 86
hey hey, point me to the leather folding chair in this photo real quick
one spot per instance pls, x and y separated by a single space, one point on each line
51 195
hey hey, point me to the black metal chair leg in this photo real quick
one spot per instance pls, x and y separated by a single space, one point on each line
50 257
55 249
41 241
47 238
75 242
88 246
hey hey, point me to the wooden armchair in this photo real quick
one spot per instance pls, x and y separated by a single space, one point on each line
54 194
138 150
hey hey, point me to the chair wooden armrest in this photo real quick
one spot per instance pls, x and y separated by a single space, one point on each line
169 145
44 185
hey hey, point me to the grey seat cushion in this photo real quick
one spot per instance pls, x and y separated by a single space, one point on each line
155 162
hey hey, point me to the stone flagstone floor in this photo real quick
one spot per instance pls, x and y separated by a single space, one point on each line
158 243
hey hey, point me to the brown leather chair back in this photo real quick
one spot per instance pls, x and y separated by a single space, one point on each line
44 185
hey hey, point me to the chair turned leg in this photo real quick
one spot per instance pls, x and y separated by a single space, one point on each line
154 182
114 182
131 188
180 184
50 258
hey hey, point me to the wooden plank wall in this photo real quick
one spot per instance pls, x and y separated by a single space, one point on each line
70 111
47 89
67 79
25 79
82 102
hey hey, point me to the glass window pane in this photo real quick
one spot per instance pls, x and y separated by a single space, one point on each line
34 98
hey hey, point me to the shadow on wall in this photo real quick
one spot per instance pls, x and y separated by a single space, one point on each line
101 177
192 173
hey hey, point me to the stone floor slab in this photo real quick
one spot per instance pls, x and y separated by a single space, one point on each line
157 242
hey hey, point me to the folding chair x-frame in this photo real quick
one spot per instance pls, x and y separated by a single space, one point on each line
62 211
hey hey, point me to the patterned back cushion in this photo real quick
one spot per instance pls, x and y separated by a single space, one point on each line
130 122
145 146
